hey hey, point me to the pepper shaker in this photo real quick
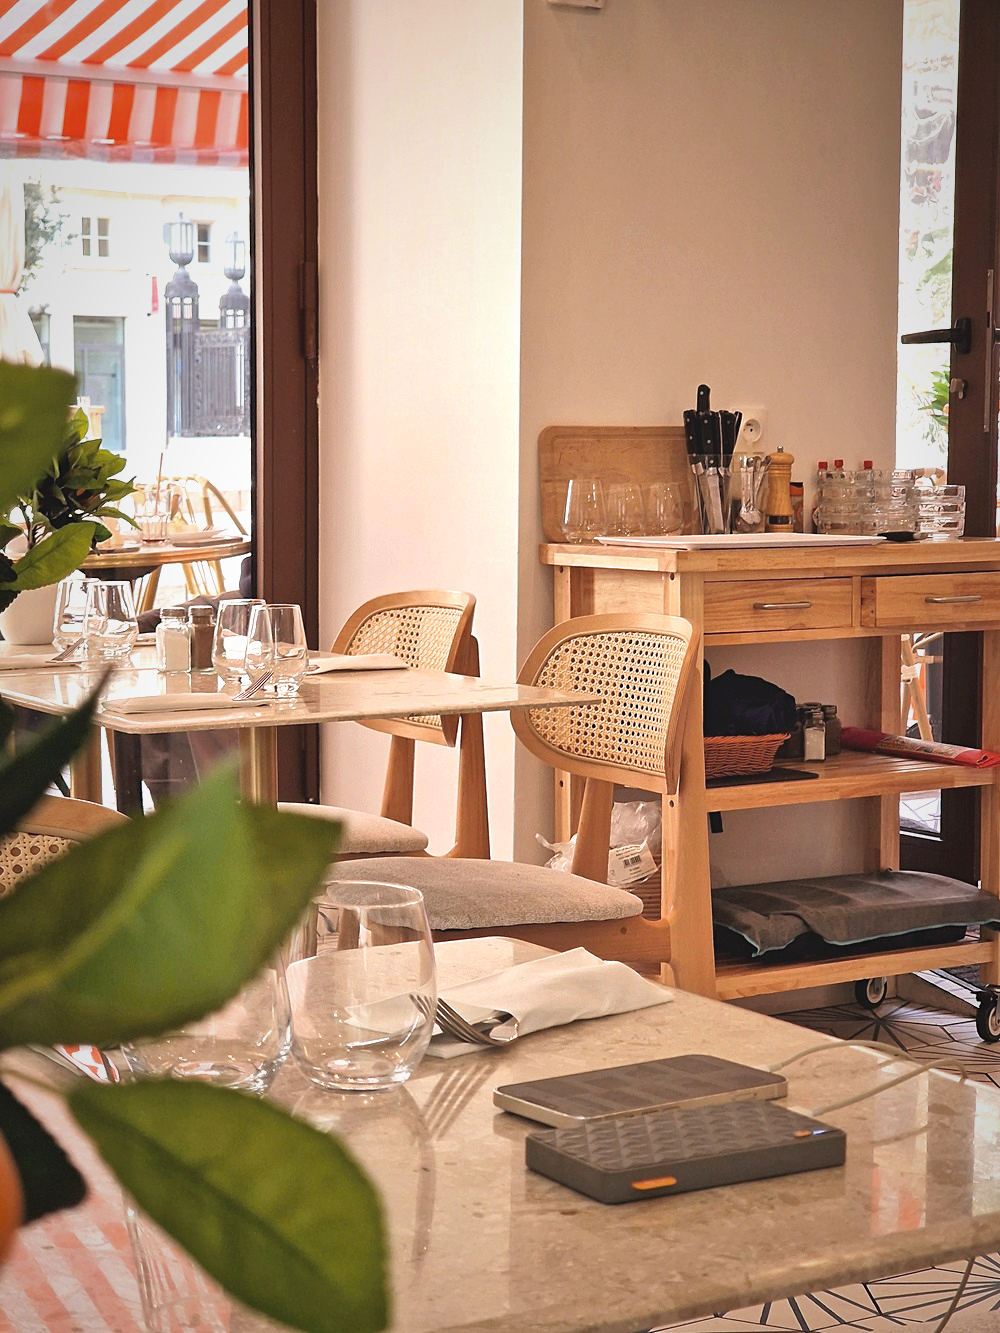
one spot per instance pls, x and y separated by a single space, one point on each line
202 630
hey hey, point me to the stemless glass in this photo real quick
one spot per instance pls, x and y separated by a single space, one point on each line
242 1045
71 602
584 516
363 1004
229 647
110 628
276 642
664 509
625 509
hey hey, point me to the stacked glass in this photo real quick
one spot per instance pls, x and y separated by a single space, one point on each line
871 502
941 512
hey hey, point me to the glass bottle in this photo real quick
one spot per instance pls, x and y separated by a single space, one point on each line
814 735
832 724
173 647
201 625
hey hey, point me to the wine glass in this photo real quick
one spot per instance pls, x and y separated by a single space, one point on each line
276 642
229 646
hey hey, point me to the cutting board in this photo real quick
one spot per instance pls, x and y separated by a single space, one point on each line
611 453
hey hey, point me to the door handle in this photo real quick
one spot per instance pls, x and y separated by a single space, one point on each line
782 606
960 335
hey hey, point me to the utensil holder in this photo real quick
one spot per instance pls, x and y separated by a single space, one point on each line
714 487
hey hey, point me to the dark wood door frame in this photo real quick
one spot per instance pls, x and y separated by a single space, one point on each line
284 231
972 415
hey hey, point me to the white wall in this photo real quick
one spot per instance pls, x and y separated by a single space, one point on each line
420 109
709 194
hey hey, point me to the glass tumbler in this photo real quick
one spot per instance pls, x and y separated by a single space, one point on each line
241 1045
584 514
229 647
363 1004
664 509
276 642
625 516
110 628
71 602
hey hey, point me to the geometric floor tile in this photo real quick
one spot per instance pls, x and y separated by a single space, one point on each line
911 1301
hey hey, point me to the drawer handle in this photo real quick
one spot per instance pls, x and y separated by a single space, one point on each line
782 606
972 597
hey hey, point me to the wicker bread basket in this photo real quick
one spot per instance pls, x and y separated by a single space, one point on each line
733 756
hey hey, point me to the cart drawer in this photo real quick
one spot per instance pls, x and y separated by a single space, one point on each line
777 604
931 601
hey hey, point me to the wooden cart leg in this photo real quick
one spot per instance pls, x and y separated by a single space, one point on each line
989 833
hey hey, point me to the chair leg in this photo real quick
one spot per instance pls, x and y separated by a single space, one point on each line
472 825
397 795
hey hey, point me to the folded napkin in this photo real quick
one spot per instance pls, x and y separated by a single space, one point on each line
170 703
546 993
322 662
29 661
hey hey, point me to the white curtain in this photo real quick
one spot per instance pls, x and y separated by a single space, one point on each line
18 341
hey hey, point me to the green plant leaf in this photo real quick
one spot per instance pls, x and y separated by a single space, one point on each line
155 923
34 404
275 1210
27 775
49 1180
54 558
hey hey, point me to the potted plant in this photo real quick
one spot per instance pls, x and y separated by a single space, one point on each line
52 520
137 932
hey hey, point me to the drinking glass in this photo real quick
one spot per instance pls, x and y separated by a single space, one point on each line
276 642
229 647
625 517
584 515
152 513
241 1045
71 602
356 1021
110 628
664 509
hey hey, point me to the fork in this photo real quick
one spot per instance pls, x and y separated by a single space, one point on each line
451 1022
68 652
254 687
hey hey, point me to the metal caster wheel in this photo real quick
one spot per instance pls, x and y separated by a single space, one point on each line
988 1018
870 994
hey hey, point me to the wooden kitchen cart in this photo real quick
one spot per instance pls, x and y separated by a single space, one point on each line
751 596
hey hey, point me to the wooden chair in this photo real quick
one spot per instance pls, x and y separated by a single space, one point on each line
642 668
52 827
431 630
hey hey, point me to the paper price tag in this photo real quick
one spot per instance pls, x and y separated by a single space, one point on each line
628 865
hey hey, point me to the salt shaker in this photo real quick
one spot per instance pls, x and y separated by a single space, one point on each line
814 735
173 647
202 629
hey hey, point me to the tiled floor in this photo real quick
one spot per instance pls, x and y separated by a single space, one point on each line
942 1029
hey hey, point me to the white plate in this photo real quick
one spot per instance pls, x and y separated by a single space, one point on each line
722 541
203 537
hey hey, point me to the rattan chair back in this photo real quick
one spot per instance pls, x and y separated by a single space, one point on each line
640 666
428 629
50 829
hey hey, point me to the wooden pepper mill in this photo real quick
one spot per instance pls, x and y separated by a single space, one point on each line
778 514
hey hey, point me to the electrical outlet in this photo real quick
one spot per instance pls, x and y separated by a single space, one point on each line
753 429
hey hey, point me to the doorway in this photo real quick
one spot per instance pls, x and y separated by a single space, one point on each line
99 362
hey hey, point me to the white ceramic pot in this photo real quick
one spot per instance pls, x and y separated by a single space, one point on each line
28 619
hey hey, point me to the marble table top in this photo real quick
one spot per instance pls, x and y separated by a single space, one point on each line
481 1243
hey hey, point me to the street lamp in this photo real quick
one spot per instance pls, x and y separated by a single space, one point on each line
180 298
234 306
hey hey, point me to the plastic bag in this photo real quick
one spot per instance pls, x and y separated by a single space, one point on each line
636 836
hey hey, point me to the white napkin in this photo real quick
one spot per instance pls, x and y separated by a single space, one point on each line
548 992
322 662
170 703
29 661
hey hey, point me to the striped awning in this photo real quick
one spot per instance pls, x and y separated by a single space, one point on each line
132 80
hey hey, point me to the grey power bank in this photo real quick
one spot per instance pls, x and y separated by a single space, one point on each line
688 1148
653 1085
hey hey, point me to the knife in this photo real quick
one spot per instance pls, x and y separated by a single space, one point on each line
704 393
692 434
728 431
711 436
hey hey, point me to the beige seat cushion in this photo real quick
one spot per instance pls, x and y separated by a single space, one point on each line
470 895
364 834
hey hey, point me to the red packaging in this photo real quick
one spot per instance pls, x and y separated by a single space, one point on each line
906 747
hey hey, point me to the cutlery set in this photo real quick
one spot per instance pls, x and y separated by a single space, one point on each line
710 437
452 1024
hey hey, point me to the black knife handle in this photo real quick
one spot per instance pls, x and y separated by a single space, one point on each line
704 394
692 433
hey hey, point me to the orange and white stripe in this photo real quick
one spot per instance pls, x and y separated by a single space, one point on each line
160 81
